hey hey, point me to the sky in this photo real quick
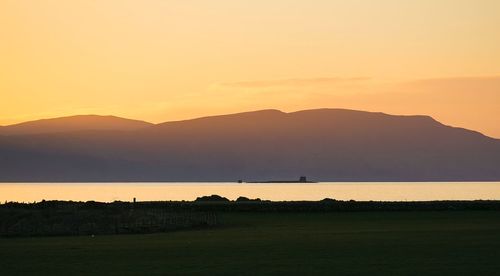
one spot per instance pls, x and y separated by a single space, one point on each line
177 59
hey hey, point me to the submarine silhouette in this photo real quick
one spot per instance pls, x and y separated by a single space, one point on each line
302 179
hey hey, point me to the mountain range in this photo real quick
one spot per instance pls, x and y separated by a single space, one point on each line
322 144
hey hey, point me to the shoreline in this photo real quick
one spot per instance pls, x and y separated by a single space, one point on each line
71 218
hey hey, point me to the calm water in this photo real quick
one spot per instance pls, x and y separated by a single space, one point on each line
378 191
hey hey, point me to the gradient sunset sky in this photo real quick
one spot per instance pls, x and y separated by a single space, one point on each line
169 60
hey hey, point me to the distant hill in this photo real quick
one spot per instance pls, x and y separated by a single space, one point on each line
73 123
322 144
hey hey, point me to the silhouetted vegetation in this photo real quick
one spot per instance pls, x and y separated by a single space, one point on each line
49 218
212 198
246 199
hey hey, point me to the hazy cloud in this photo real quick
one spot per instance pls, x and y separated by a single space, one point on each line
294 82
471 84
471 102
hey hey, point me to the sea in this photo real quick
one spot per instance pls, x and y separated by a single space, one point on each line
178 191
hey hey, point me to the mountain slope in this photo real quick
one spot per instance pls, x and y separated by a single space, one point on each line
324 144
73 123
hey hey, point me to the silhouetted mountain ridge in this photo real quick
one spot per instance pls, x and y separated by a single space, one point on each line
73 123
324 144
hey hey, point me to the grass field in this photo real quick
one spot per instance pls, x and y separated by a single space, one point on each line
342 243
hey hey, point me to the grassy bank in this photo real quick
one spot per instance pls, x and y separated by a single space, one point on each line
384 243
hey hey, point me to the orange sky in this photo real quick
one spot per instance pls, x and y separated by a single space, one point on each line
165 60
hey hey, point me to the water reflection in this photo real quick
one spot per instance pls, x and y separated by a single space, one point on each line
378 191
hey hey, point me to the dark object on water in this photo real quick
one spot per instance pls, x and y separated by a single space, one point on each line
302 179
134 199
240 181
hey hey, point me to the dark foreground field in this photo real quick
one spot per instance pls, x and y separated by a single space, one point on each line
252 243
